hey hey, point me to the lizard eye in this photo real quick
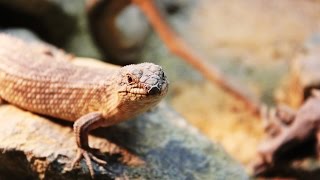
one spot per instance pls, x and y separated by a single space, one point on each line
129 79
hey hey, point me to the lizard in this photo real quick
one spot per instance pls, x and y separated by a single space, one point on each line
90 97
289 129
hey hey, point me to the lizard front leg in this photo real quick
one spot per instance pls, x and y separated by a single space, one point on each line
82 127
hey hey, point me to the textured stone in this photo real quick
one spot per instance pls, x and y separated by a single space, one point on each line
33 146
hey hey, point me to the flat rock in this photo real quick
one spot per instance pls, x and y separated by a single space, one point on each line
35 147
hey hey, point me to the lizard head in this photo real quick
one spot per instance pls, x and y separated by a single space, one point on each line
143 84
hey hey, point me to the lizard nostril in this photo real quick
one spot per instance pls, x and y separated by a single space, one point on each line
154 90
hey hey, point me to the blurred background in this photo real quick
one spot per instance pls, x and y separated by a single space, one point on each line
253 42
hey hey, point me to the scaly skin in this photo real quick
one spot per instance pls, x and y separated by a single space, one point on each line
42 83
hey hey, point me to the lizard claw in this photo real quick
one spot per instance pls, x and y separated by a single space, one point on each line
88 156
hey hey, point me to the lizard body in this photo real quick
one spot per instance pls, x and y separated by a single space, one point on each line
90 97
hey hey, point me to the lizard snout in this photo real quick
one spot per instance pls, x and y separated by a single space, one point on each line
154 90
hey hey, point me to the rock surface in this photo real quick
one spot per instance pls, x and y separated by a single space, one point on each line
35 147
61 23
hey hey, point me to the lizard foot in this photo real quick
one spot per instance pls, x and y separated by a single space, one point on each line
88 155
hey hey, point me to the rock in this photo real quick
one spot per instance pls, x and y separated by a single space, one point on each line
36 43
61 23
37 147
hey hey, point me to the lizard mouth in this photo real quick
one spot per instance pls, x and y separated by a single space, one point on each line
147 91
141 91
135 91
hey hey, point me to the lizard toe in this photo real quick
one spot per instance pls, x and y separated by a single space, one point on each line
88 156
